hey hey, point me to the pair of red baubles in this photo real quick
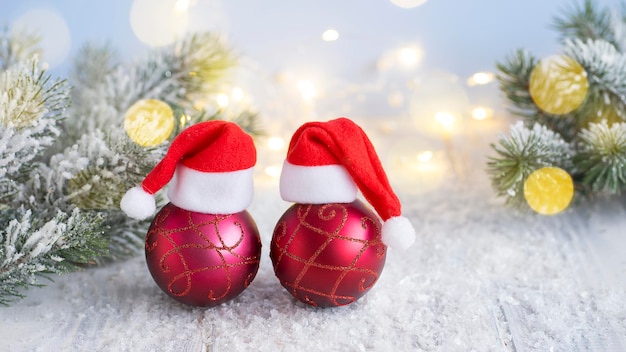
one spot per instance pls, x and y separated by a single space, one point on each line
328 249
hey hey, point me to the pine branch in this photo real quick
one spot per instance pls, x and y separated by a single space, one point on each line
602 157
606 69
30 249
93 175
31 107
75 185
92 66
586 22
113 164
514 79
17 47
177 75
521 153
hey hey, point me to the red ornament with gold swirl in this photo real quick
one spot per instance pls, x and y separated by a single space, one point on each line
328 255
202 259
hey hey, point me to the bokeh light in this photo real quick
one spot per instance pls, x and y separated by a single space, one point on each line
159 22
480 78
445 119
409 56
222 100
481 113
439 102
408 4
237 94
406 57
55 35
330 35
273 171
417 164
307 89
395 99
275 143
425 156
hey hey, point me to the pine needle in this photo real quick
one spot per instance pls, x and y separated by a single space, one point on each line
602 157
522 152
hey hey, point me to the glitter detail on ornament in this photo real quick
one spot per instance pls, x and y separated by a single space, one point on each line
202 259
328 255
149 122
558 84
549 190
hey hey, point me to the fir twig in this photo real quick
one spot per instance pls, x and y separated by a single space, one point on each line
602 157
30 249
586 22
30 110
514 79
17 46
521 153
606 69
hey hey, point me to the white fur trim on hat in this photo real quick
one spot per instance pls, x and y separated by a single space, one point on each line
397 232
316 184
211 192
138 204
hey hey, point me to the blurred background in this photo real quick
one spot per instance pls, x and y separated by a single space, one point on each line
421 71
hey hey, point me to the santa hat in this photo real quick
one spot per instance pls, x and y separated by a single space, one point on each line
327 162
209 169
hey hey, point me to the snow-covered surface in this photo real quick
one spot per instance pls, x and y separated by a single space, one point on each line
479 277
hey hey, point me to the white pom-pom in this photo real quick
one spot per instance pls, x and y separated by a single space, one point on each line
397 232
138 204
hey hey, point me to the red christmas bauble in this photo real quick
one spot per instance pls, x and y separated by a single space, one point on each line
328 255
202 259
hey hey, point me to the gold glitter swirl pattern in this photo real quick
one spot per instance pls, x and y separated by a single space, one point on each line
211 240
330 227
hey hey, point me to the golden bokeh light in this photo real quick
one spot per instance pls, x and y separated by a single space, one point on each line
425 156
149 122
549 190
445 119
222 100
481 113
558 84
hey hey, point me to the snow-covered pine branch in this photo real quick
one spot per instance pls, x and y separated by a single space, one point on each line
17 46
606 69
514 79
602 157
522 152
31 249
178 74
31 105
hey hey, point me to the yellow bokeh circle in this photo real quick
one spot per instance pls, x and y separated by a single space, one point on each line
558 84
149 122
549 190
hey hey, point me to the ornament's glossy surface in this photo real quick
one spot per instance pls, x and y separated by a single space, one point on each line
328 255
202 259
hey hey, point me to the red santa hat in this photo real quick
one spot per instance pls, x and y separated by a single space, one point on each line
209 169
327 162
